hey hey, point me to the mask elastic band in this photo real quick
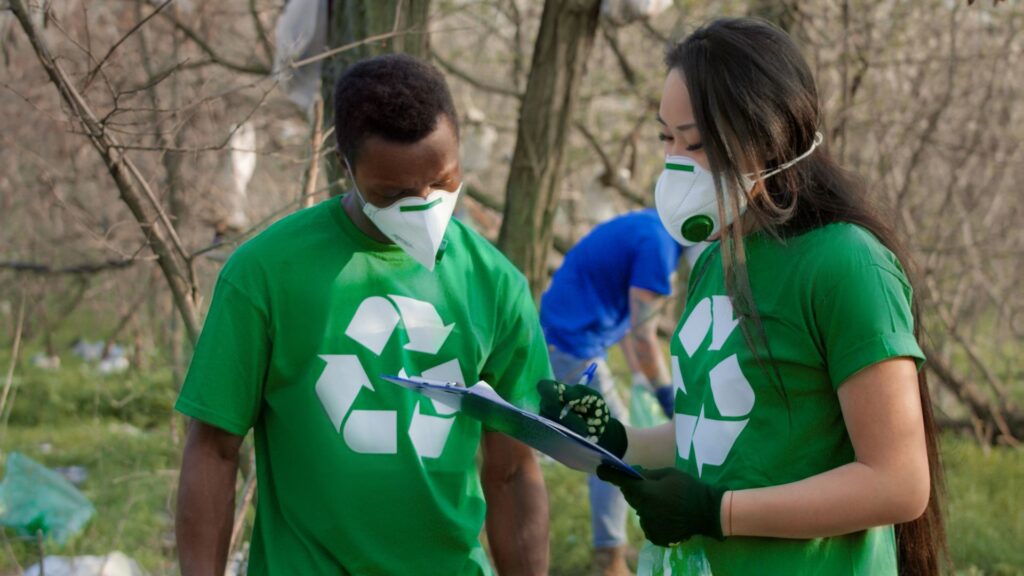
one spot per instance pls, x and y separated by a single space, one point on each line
818 138
355 186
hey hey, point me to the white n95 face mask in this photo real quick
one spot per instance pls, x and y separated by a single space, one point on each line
415 224
686 201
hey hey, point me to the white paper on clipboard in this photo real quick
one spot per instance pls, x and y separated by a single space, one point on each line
482 403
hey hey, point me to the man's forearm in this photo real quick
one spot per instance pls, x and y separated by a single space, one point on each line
626 344
206 495
650 359
644 307
517 512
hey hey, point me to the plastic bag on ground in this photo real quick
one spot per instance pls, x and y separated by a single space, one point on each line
34 498
644 409
113 564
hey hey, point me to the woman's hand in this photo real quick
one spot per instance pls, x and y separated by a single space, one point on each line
672 505
584 411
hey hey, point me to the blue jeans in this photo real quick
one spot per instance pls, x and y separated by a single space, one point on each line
607 506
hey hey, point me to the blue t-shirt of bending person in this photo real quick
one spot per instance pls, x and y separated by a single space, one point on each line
586 308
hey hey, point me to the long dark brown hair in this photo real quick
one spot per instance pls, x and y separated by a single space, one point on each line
756 105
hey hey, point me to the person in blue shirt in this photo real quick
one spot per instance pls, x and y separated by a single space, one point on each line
610 289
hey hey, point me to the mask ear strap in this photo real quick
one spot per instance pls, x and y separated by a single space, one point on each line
818 138
352 175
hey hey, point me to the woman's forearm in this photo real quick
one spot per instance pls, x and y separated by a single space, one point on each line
843 500
651 447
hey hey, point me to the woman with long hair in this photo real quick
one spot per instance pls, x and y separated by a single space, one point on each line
803 440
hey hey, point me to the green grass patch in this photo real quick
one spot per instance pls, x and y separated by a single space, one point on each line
985 507
78 392
132 474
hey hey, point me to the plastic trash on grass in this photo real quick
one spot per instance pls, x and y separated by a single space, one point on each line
644 409
113 564
34 498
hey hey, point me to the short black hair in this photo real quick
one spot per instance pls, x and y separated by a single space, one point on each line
395 96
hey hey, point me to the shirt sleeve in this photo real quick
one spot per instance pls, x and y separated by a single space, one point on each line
865 317
654 262
519 357
224 385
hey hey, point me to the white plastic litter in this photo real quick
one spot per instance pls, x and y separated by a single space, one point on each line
242 167
478 139
599 202
88 351
621 12
301 32
113 365
243 156
45 361
76 475
114 362
113 564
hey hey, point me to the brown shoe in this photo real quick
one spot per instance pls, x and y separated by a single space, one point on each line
610 562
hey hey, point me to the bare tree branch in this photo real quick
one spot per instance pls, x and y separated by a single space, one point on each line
316 141
259 69
261 32
611 176
75 270
980 407
99 65
473 80
171 255
352 45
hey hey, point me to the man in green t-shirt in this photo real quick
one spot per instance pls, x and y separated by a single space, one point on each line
357 475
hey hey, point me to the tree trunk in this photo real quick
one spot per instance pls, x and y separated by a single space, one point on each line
350 21
563 44
782 14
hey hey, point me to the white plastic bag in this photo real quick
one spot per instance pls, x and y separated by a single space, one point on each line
301 32
644 409
113 564
621 12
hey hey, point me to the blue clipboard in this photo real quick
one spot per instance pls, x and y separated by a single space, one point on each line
482 403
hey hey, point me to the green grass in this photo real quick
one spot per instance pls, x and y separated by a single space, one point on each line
985 507
570 526
119 428
131 480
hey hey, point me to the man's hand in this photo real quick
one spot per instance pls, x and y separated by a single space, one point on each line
584 411
666 396
671 504
645 356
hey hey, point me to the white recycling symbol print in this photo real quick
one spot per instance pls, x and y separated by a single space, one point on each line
711 438
342 379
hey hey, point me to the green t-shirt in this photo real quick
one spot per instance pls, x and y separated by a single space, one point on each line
358 475
832 301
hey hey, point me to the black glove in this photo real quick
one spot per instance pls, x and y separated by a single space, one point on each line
584 411
666 396
671 504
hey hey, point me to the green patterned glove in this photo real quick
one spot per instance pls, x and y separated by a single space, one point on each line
584 411
671 504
